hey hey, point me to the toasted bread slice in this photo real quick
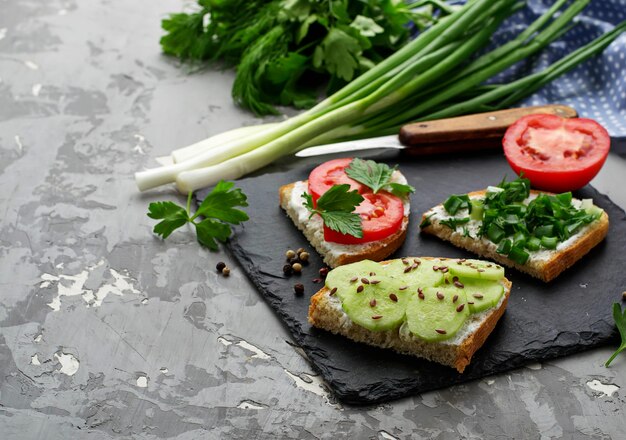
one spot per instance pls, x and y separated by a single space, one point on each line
545 265
325 312
335 254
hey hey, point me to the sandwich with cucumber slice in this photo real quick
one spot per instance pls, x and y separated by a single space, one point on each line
438 309
538 233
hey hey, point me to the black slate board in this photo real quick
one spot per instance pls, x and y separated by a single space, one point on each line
543 321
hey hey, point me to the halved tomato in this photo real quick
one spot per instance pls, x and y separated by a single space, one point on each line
330 173
556 154
381 216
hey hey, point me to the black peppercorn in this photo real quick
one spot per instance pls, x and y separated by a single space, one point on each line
220 266
298 289
287 269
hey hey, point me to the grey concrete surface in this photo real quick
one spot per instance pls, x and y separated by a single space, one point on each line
108 332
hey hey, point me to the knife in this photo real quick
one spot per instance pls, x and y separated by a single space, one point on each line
476 132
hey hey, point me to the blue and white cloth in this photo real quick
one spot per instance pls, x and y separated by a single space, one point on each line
596 88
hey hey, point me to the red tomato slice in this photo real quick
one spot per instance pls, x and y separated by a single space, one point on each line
556 154
381 215
330 173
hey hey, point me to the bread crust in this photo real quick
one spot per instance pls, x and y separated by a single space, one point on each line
323 314
375 251
545 270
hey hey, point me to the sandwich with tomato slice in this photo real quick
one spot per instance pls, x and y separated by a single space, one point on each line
350 209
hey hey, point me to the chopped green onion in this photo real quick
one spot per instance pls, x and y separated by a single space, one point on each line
564 198
533 244
505 246
544 230
549 242
495 233
476 213
519 255
456 202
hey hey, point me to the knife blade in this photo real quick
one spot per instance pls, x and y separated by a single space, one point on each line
476 132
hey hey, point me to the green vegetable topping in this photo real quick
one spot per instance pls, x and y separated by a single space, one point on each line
377 176
620 322
218 210
516 226
455 202
452 223
336 208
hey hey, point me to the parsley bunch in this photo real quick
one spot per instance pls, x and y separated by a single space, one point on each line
284 49
218 210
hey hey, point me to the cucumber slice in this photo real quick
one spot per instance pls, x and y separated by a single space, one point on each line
416 272
437 316
346 279
379 306
481 294
483 270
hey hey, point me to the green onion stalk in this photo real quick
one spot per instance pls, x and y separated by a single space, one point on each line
436 75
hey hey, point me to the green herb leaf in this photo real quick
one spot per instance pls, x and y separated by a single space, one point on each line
339 198
452 223
620 322
377 176
399 189
173 217
426 221
366 26
220 203
208 230
218 208
339 53
343 222
336 208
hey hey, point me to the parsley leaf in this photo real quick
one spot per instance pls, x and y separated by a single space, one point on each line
339 198
620 322
377 176
343 222
218 210
339 53
336 207
173 217
220 204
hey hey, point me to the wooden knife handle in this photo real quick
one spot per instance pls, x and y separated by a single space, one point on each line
472 130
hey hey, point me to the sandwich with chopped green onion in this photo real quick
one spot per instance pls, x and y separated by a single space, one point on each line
541 234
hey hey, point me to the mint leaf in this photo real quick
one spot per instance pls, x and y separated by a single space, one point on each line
339 198
173 217
620 322
218 208
343 222
377 176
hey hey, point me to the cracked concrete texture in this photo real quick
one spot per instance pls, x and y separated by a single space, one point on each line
173 350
